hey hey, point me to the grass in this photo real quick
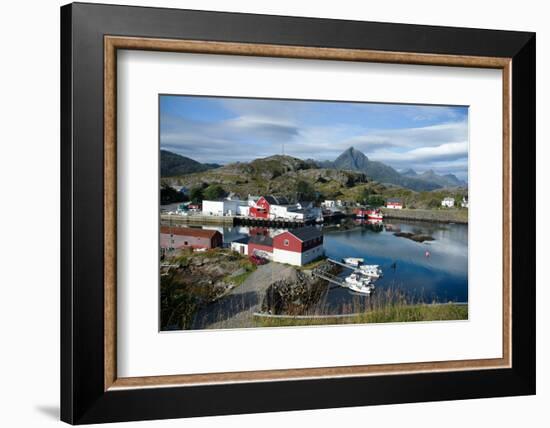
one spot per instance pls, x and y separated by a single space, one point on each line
313 264
390 313
248 267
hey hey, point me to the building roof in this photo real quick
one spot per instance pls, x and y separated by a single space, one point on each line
276 200
398 200
261 240
189 231
306 233
243 240
449 199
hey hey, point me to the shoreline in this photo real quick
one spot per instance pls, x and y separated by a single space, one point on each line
436 216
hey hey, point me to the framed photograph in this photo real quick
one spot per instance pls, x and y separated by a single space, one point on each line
267 213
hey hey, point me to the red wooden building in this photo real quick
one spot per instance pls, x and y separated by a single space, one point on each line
261 209
298 246
186 237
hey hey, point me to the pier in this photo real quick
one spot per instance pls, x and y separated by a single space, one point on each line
197 219
277 223
233 221
332 279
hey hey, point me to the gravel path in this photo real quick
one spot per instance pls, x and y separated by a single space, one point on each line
236 309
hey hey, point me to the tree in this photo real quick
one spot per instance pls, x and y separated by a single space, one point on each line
213 192
305 191
169 195
196 195
363 195
375 201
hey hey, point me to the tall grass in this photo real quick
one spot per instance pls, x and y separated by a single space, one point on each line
391 313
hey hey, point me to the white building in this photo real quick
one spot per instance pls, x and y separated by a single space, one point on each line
394 203
223 207
464 203
287 212
448 202
240 246
328 204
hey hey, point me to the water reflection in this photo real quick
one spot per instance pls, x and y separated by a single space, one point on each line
441 276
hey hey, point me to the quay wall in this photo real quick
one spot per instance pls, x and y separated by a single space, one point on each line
230 221
441 216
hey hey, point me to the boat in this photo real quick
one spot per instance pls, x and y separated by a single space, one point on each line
359 283
372 271
353 261
360 213
375 215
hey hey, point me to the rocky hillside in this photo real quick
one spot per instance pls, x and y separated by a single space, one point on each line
283 175
447 180
173 164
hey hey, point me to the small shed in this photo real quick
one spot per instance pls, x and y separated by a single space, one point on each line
394 203
240 245
448 202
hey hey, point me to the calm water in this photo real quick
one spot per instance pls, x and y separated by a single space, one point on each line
443 276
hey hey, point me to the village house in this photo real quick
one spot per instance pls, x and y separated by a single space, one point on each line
464 203
298 246
186 237
260 208
394 203
287 212
240 245
328 204
448 202
276 207
295 247
223 207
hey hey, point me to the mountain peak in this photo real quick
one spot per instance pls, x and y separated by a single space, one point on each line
409 172
352 158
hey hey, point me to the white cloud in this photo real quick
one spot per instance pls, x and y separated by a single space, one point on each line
260 129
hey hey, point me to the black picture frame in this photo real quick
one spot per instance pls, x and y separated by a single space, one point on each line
83 398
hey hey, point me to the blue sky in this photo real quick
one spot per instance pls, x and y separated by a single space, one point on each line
224 130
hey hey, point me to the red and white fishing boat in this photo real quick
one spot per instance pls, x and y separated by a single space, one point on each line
374 214
360 213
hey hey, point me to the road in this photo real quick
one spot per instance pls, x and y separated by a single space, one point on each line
236 309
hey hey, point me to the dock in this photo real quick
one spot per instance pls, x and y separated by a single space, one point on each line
233 221
277 223
332 279
342 264
196 219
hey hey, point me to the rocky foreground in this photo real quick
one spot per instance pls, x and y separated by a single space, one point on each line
298 293
222 289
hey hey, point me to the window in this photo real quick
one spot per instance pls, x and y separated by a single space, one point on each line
285 242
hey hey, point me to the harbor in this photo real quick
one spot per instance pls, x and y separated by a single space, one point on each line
424 273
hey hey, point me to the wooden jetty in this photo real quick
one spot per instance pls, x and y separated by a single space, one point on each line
233 221
266 222
333 279
342 264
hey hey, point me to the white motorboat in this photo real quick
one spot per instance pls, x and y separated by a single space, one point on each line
372 271
359 284
353 261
